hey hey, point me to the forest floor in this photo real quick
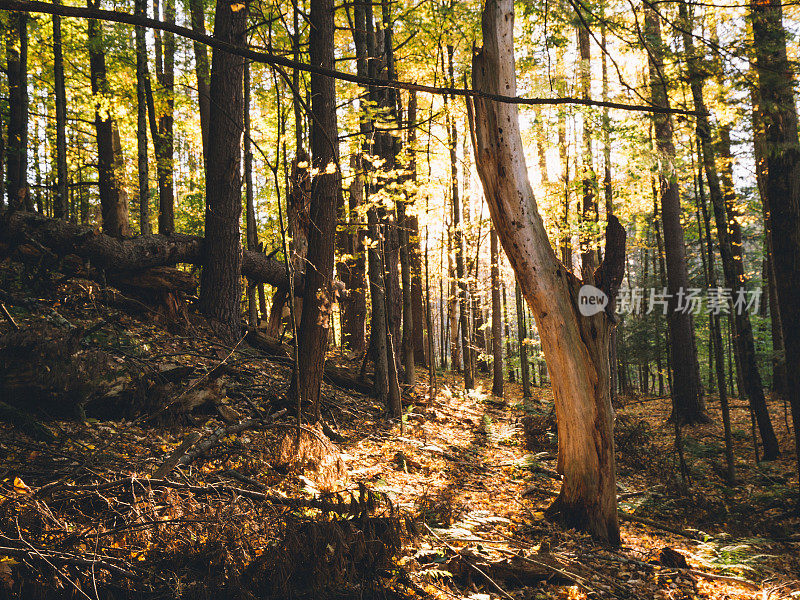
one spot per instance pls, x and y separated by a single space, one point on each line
447 504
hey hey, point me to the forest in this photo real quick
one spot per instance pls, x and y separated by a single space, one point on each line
391 299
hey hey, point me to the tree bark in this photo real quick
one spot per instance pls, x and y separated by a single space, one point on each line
458 241
198 20
17 146
142 75
220 280
317 317
687 392
782 186
113 197
497 318
249 193
60 207
163 142
729 247
522 335
576 347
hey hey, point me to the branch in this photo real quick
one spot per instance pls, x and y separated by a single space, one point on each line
276 60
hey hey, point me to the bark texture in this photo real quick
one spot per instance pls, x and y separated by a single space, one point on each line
782 185
220 280
687 391
576 347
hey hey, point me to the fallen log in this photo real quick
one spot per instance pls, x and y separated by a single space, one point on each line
60 239
335 375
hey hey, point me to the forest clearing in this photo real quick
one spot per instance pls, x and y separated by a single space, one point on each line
382 299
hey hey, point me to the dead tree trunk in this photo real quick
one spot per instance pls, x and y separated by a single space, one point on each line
575 346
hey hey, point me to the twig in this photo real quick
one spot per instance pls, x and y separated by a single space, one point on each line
726 578
51 555
475 567
623 516
8 316
184 454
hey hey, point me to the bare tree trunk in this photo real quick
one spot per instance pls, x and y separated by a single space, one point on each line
352 270
576 347
522 335
782 186
589 211
249 193
220 283
113 197
198 20
687 392
512 374
142 76
458 240
60 207
716 337
17 147
163 142
317 315
497 318
730 240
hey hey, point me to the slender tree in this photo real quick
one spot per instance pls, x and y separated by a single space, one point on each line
17 145
198 20
687 390
732 264
317 317
497 317
60 207
142 79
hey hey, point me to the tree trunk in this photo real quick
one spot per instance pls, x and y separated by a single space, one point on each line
249 193
142 76
716 337
782 186
687 392
589 211
458 240
522 335
418 311
198 20
779 376
352 270
163 142
317 317
730 248
17 146
497 318
113 197
60 206
512 375
220 280
576 347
